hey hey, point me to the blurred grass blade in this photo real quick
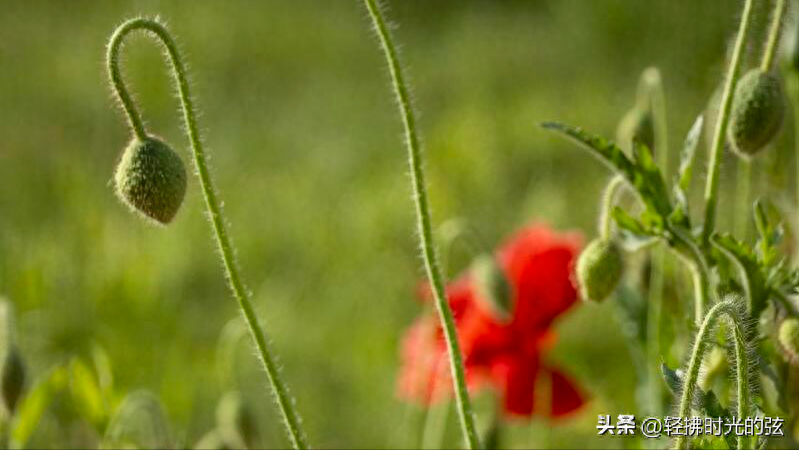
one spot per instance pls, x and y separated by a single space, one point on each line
34 404
139 422
86 395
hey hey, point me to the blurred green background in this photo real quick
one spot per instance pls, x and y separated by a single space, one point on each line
307 155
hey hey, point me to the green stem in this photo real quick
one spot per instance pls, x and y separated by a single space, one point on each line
465 412
731 310
608 201
712 186
283 399
742 194
687 248
773 36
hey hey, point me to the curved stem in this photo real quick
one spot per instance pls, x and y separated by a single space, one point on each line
773 36
608 201
699 271
424 226
283 399
730 310
712 185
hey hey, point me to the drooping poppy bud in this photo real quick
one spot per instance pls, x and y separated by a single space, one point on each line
151 179
788 336
599 269
492 285
757 112
12 379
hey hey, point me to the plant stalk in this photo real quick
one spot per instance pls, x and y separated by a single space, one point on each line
720 130
283 399
424 226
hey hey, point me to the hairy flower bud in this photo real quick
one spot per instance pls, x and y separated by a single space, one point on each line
492 284
788 336
151 179
599 269
12 380
757 111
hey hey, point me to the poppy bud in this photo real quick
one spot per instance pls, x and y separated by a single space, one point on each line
599 269
151 179
637 126
492 285
13 379
757 111
788 337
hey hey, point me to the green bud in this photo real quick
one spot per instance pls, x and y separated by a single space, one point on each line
492 284
757 111
151 179
599 269
788 337
13 379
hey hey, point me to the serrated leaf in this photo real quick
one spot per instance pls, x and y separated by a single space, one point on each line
672 378
752 278
653 182
642 173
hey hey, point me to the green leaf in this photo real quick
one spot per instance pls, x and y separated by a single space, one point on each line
642 173
752 278
672 378
87 395
35 403
683 182
634 234
600 147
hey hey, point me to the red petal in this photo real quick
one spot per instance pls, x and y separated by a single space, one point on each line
566 398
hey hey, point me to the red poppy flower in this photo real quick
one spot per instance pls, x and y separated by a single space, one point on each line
505 354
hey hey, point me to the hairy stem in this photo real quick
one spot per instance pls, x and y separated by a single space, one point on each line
742 194
773 36
686 247
720 130
608 201
424 226
283 399
730 309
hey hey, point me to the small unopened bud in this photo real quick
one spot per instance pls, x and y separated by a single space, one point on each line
13 379
788 337
492 285
757 112
599 269
151 179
